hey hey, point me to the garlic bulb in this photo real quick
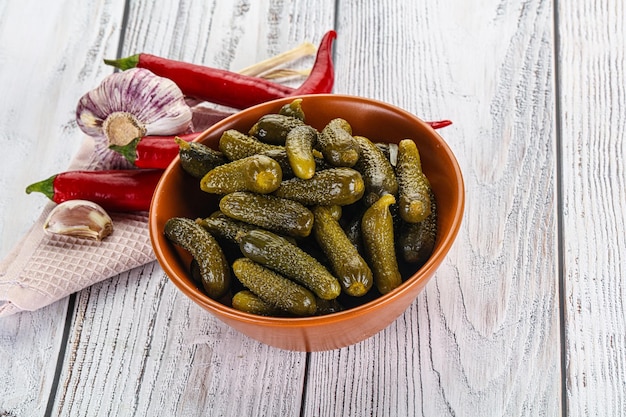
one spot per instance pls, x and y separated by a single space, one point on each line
80 218
131 104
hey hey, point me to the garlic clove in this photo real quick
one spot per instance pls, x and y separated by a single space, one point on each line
79 218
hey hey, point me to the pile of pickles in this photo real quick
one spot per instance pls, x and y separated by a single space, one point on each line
309 222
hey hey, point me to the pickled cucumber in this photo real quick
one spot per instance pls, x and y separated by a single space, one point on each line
223 227
257 173
416 241
293 109
299 148
246 300
236 145
214 269
378 240
270 212
334 186
337 144
413 186
273 128
197 159
341 123
377 172
287 259
274 289
353 273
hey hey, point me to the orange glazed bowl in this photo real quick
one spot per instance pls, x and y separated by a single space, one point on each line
179 195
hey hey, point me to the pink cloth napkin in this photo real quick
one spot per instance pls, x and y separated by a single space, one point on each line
42 268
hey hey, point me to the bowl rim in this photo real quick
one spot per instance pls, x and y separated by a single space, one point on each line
427 269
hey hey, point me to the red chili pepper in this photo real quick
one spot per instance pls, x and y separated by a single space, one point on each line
114 190
439 124
322 76
152 151
230 88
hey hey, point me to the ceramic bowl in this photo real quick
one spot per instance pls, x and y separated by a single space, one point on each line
177 194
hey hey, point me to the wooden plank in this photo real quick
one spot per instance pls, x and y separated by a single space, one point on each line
149 351
135 340
44 68
43 74
592 94
483 338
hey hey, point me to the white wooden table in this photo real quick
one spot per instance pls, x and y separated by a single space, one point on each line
524 318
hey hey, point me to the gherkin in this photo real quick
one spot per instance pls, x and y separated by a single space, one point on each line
280 255
413 186
214 269
281 215
353 273
376 170
274 289
378 240
273 128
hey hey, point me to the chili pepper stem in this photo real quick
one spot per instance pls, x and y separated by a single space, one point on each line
121 128
124 63
299 51
128 151
45 187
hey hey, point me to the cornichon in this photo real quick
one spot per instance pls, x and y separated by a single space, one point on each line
224 227
257 173
280 156
246 300
197 159
236 145
299 148
337 144
280 255
293 109
414 187
353 273
273 128
334 186
377 172
270 212
416 241
214 269
378 240
274 289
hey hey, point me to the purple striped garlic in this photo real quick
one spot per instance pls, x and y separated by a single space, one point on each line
128 105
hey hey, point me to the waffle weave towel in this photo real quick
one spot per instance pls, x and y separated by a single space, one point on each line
42 268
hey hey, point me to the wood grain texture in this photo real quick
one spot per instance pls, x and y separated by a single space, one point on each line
150 351
29 347
44 68
592 82
483 338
